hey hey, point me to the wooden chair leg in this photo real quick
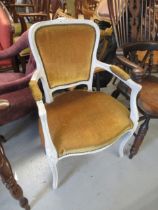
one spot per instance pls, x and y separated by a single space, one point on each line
139 137
9 180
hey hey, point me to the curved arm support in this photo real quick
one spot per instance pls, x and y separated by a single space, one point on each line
135 88
15 85
140 46
137 72
49 146
21 44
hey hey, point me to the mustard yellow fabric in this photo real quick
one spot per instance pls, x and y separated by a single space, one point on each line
17 29
81 121
98 70
106 32
66 52
25 52
37 95
120 72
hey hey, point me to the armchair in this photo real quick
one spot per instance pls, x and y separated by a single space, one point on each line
76 122
14 86
135 27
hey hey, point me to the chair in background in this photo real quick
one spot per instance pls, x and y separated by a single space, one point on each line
76 122
135 27
9 34
55 5
14 86
6 171
35 11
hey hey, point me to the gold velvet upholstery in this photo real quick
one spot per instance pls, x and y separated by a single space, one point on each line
37 95
120 72
62 63
17 29
81 121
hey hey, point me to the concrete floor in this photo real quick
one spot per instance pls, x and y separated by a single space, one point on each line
95 182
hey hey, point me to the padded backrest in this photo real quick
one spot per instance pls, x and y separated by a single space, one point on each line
66 52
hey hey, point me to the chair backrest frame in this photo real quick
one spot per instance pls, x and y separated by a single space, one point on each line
40 67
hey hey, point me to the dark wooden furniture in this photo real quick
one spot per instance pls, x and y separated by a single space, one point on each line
35 11
135 28
6 173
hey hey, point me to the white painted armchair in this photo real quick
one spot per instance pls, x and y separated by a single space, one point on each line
76 122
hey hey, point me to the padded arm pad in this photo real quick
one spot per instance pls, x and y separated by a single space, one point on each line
37 95
119 72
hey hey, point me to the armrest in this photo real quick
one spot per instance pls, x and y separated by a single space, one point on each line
43 115
140 46
4 104
21 44
125 78
137 72
22 17
15 85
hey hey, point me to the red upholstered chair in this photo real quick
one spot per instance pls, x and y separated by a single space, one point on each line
9 33
14 86
6 33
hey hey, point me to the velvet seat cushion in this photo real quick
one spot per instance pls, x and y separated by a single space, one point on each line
81 121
